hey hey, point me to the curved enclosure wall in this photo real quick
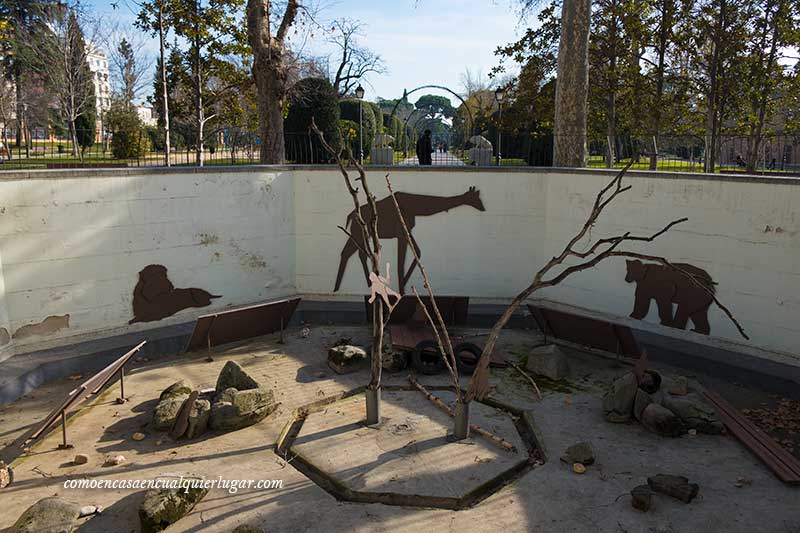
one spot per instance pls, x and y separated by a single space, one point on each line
86 254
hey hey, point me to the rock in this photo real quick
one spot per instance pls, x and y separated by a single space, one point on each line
179 388
548 361
163 507
662 421
743 482
641 497
80 459
394 361
138 436
233 377
642 400
678 386
694 413
579 453
166 411
6 475
88 510
618 401
676 486
115 460
651 381
346 359
199 416
236 409
578 468
51 515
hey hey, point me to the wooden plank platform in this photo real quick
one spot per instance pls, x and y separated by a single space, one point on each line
785 465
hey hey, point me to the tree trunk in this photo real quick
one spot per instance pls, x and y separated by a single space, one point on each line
572 85
665 27
162 44
271 97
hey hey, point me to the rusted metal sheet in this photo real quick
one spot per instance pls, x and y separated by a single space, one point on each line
785 466
89 387
454 309
586 331
242 323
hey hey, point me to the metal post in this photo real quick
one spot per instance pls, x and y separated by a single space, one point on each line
499 133
373 397
461 427
281 340
361 131
64 445
122 398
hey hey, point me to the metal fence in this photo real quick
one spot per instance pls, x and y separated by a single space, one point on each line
675 153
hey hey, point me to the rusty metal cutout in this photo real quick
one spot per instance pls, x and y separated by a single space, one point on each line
89 387
454 309
155 298
242 323
390 227
586 331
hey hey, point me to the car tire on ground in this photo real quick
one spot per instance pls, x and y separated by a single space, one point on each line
427 358
467 355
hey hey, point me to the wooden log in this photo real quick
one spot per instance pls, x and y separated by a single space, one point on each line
676 486
182 420
472 427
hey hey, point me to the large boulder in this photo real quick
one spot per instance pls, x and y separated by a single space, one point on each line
181 387
662 421
236 409
49 515
346 358
694 413
169 404
163 507
199 416
618 401
548 361
233 376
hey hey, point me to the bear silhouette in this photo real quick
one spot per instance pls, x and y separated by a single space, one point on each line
668 286
155 298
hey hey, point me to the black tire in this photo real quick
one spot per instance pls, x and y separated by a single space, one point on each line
426 363
467 365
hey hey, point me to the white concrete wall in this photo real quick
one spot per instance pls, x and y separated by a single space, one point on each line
74 245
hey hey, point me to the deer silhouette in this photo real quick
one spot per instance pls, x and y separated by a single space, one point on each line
390 227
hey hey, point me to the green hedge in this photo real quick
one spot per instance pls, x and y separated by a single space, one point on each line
349 111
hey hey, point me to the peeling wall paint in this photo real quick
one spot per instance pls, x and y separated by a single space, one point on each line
48 326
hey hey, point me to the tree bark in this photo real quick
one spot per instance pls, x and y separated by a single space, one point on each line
572 85
165 105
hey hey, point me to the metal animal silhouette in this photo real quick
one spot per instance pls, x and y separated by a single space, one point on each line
390 227
155 297
667 286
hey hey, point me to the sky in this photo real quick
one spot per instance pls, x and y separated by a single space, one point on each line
421 41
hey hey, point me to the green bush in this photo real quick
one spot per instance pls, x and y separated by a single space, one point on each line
128 136
312 98
349 111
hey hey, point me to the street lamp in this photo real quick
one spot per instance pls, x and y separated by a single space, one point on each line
360 96
499 94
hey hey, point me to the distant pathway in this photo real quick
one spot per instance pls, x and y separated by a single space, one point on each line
439 159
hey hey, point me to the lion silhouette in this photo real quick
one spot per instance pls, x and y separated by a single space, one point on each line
155 298
668 286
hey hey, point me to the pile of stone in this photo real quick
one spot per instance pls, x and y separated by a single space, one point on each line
667 409
236 402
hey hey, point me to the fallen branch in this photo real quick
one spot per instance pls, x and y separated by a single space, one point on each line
518 369
472 427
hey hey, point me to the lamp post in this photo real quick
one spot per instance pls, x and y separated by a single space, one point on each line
360 96
499 94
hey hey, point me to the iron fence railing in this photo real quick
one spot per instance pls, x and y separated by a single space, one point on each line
777 154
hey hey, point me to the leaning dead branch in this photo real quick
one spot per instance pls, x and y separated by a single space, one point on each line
446 347
598 251
516 367
473 427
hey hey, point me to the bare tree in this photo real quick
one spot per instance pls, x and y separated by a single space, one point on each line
63 55
354 61
8 102
130 64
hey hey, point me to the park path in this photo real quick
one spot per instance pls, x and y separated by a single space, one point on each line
439 159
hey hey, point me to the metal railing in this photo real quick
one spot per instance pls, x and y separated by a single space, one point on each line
675 153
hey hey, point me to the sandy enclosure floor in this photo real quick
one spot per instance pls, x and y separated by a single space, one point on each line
548 498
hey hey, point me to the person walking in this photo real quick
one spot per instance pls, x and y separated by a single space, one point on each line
424 149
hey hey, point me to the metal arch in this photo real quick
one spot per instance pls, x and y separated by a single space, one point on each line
440 87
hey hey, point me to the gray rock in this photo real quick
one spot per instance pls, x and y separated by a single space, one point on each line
346 358
678 386
6 475
199 416
163 507
232 376
548 361
618 401
235 409
641 401
50 515
180 388
166 411
579 453
694 413
641 497
88 510
662 421
80 459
